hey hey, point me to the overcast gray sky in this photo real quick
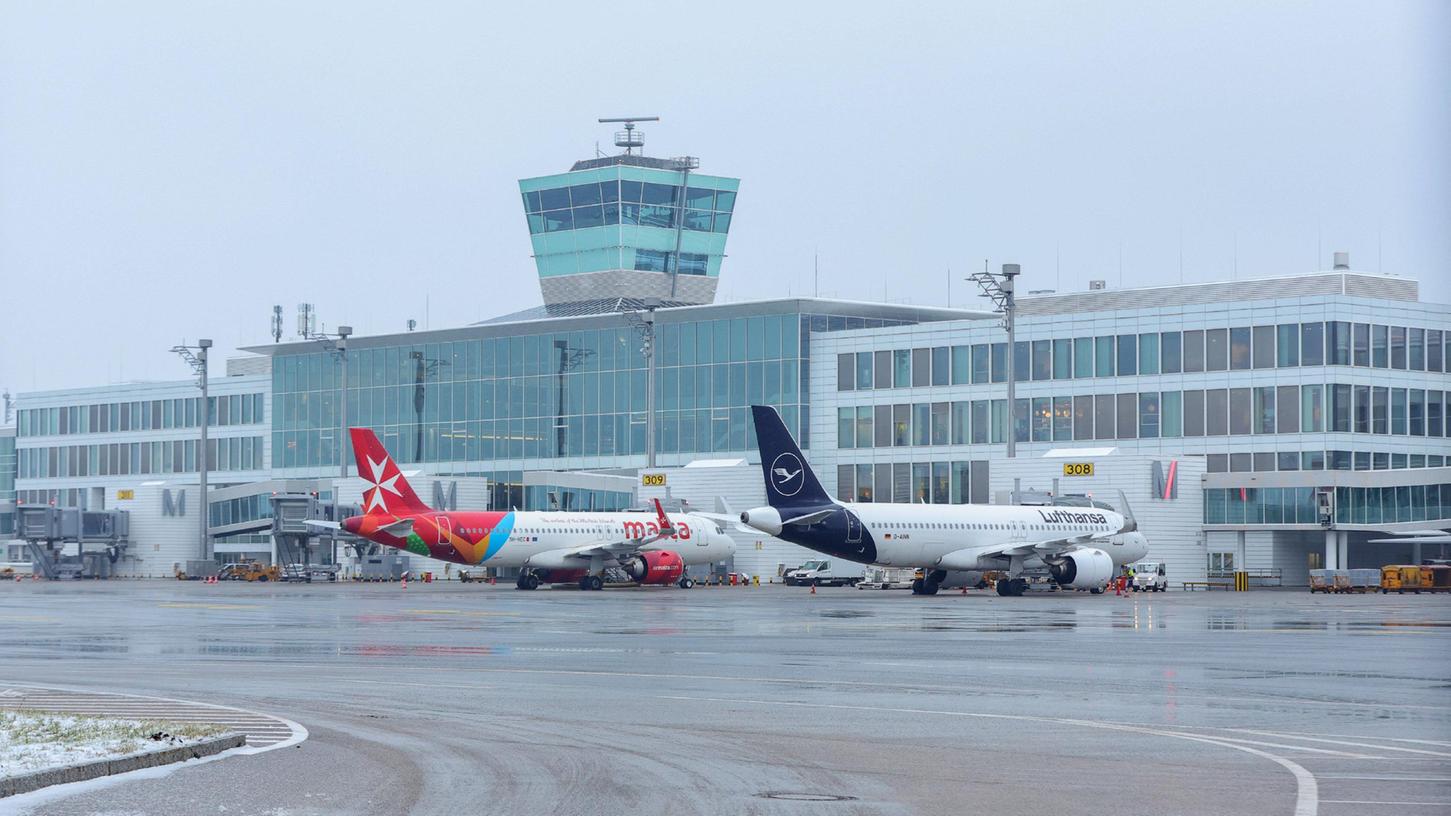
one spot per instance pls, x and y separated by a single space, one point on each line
171 170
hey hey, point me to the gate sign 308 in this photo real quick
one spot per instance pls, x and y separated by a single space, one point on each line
1077 468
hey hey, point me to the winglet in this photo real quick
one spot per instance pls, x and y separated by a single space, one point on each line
1130 523
666 527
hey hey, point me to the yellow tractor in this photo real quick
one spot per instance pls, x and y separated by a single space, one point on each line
249 571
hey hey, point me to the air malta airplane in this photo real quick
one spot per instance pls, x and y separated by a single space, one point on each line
1081 547
549 547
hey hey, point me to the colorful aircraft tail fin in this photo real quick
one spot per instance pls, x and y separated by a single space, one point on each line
387 491
790 482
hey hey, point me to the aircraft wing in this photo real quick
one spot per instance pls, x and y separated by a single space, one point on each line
967 558
1052 546
610 549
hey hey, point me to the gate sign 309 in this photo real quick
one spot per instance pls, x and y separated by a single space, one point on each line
1077 468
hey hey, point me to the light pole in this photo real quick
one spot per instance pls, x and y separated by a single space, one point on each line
196 357
644 323
999 289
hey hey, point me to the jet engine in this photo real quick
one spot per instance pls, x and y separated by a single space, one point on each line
1083 569
765 519
655 567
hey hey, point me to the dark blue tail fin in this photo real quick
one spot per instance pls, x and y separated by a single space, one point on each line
789 480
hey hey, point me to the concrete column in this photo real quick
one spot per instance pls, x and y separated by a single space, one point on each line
1344 547
1240 562
1416 552
1332 550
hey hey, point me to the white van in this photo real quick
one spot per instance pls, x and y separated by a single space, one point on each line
1149 576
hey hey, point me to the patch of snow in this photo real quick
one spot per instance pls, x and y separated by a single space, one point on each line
34 740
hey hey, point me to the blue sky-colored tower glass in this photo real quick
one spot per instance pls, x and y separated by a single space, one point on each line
628 226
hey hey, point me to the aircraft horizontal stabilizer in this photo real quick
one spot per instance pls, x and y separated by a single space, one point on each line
811 518
402 528
329 525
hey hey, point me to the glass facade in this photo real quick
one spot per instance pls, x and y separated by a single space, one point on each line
7 483
235 453
142 415
1353 505
1287 345
562 395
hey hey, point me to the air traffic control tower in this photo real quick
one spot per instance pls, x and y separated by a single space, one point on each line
616 231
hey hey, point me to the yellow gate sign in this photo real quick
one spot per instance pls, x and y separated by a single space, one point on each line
1077 468
125 495
652 480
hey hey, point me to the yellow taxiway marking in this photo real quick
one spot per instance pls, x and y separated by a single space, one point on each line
181 605
468 612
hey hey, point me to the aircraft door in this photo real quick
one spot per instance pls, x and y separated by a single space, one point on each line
445 528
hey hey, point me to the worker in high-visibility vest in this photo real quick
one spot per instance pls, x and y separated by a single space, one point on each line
1130 576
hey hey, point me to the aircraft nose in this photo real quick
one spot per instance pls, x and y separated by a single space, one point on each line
350 524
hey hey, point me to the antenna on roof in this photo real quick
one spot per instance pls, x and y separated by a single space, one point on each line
629 138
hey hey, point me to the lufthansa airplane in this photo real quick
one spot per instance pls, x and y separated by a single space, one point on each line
1082 547
652 548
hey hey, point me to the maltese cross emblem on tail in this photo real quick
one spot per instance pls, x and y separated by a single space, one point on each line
375 497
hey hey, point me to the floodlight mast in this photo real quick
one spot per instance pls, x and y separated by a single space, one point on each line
644 322
999 289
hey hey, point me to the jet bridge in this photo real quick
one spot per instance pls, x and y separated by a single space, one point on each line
47 530
297 539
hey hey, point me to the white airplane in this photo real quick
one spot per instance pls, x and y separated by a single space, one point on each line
652 548
1081 547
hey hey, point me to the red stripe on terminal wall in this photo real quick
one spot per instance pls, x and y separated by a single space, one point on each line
1169 482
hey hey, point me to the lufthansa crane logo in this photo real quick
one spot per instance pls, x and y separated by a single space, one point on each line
786 474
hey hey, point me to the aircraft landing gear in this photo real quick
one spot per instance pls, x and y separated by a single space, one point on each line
687 582
924 586
527 580
591 582
1012 587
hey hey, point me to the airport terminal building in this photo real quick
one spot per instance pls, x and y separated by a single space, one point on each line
1274 425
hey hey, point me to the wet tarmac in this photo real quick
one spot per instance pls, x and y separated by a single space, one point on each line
449 698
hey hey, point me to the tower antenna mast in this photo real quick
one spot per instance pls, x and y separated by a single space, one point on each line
629 138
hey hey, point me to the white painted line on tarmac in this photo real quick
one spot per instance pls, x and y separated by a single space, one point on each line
1388 778
1341 742
1373 802
1307 790
1289 747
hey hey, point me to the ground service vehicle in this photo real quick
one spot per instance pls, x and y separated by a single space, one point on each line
1150 576
249 571
1080 547
820 573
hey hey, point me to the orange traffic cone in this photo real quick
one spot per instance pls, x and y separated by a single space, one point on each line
964 589
813 589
